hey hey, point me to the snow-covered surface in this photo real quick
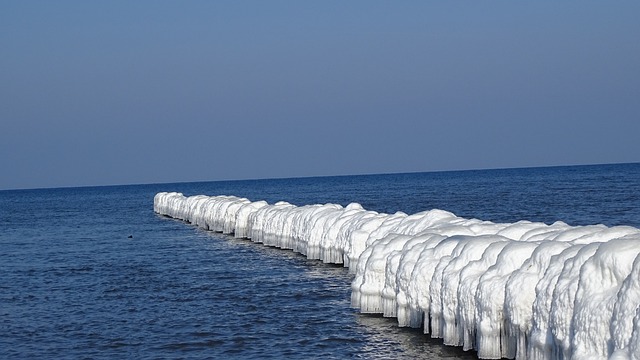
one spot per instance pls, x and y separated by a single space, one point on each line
523 290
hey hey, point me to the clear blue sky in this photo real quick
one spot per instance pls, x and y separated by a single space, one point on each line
120 92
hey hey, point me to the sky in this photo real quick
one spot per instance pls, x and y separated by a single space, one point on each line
133 92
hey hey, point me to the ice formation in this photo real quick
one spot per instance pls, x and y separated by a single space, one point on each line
523 290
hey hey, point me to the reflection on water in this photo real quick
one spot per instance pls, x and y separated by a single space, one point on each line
386 340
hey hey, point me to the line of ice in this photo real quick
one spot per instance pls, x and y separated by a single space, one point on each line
524 290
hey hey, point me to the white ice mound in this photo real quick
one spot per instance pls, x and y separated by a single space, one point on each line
599 283
625 310
524 290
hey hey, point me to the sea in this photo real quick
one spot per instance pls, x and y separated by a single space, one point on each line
94 273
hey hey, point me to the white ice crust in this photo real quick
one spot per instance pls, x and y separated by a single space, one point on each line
523 290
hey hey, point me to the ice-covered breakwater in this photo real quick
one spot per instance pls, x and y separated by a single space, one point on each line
522 290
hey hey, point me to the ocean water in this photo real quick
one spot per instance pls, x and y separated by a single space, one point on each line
94 273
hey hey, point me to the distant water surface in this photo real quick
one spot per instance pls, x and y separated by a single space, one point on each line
94 273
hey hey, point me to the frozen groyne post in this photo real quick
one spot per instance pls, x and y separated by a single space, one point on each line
524 290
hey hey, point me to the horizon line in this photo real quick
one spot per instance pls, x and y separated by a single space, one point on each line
321 176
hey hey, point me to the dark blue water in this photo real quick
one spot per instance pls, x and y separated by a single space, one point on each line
94 273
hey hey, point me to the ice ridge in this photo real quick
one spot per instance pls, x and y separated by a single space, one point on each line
523 290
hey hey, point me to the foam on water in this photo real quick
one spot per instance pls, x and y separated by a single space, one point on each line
519 290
